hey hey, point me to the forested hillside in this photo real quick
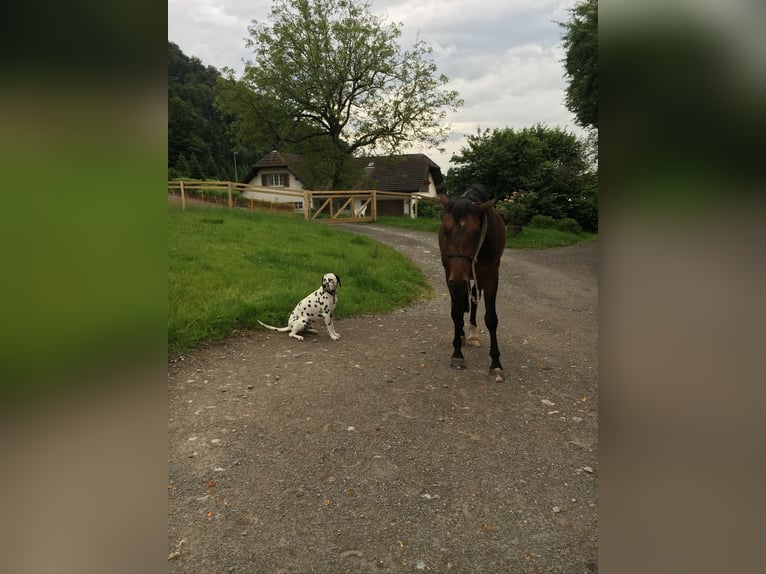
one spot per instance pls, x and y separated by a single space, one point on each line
199 144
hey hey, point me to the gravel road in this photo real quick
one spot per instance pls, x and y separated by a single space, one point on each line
369 454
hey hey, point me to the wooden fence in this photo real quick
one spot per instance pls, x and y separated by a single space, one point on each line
325 206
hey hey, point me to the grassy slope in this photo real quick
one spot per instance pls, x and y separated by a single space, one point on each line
228 268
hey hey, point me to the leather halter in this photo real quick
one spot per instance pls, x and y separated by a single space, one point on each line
475 256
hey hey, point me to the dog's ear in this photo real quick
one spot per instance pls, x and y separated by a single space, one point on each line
337 278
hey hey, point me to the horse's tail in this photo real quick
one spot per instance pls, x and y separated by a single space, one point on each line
278 329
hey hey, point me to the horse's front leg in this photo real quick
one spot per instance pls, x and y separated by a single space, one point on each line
490 319
472 333
458 300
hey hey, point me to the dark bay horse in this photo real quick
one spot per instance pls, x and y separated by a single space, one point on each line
471 241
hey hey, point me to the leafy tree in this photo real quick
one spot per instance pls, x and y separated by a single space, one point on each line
331 71
581 62
195 168
195 126
580 42
210 167
547 166
183 130
181 167
584 206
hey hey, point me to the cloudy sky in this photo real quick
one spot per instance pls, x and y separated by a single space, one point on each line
502 56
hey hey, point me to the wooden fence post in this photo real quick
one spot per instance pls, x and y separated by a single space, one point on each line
229 188
183 196
306 205
374 205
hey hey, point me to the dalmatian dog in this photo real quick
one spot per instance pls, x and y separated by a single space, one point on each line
319 304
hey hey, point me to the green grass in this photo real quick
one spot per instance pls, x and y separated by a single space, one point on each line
429 224
228 268
544 238
529 238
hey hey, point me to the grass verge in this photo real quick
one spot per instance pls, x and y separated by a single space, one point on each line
228 268
544 238
529 238
429 224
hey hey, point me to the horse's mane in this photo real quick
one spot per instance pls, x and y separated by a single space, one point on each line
467 202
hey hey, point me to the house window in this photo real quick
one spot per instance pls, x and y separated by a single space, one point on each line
274 180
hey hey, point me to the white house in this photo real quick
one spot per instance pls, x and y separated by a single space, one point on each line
405 174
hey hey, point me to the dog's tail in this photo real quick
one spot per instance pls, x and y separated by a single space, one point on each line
279 329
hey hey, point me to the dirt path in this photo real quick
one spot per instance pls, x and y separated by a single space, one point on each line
370 454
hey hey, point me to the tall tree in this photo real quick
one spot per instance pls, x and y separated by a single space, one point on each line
330 70
547 164
581 62
195 126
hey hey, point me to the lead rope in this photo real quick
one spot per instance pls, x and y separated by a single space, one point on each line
475 300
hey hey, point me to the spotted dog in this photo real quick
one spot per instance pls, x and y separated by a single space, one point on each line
320 303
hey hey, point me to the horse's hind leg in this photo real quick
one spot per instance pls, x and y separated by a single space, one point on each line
472 332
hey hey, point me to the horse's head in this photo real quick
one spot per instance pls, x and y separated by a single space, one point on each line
460 238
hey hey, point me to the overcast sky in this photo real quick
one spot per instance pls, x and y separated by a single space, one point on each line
502 56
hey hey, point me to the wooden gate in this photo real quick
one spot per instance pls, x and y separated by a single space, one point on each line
335 206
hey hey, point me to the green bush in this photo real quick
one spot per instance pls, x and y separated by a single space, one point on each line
516 208
542 221
568 225
584 209
430 208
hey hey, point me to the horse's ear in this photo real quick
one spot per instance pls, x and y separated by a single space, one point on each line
446 201
487 205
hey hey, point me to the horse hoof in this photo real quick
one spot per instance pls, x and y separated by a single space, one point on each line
499 375
472 336
457 364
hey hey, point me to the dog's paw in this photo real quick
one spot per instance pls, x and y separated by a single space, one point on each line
334 336
296 337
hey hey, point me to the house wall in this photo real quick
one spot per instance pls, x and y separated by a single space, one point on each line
293 184
431 188
407 206
410 207
390 207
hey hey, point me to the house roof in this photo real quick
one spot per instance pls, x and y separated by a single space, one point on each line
406 173
293 162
